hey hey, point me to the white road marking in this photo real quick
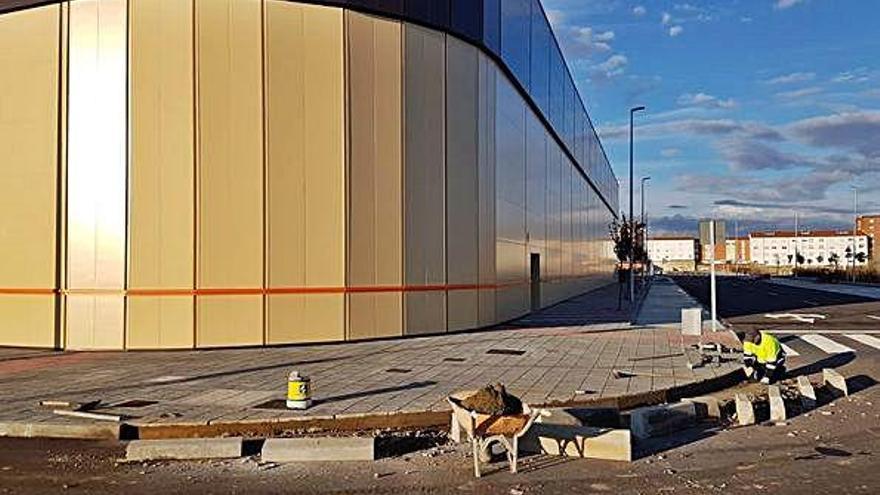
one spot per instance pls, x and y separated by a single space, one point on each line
803 318
826 344
789 351
873 317
810 331
865 339
772 293
814 303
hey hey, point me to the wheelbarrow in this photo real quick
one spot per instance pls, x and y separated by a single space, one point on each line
483 430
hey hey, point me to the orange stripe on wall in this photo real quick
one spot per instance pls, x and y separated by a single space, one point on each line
259 291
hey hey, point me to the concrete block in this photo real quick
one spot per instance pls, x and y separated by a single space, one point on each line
18 429
603 417
777 405
454 429
831 378
660 420
808 393
184 448
692 321
578 441
745 411
706 406
319 449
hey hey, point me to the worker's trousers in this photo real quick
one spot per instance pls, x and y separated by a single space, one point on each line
772 371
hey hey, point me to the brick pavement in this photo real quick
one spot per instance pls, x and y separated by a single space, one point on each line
564 353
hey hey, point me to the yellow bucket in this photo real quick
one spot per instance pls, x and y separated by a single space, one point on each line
299 391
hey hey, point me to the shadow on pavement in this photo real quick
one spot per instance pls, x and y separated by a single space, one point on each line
834 361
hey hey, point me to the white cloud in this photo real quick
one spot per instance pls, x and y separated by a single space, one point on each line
799 93
615 65
666 19
794 77
675 31
705 100
859 75
639 10
588 41
670 152
785 4
745 19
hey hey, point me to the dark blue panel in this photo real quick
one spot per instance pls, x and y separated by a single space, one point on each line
540 58
466 18
516 37
492 25
430 12
557 89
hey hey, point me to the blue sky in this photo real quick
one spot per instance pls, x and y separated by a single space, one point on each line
756 108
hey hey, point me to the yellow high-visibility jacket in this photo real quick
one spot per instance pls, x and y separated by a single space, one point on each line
767 351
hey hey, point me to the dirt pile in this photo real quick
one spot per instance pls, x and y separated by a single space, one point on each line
493 400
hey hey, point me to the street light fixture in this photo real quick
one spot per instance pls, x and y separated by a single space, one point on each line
632 223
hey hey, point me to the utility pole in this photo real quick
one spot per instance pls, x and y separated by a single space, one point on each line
796 243
855 229
632 222
712 273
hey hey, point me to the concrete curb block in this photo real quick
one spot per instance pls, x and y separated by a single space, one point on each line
745 411
319 449
578 441
184 449
61 430
777 405
654 421
831 378
808 393
707 406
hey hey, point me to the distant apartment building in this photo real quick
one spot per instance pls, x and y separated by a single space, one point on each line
736 250
720 240
674 254
870 226
818 248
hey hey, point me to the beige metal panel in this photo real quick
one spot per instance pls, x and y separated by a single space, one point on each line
29 76
373 315
425 177
230 163
463 310
224 321
486 175
375 224
306 318
27 320
96 172
95 321
164 322
161 252
305 185
462 188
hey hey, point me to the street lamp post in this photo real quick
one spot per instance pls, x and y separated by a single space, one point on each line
632 223
855 229
644 218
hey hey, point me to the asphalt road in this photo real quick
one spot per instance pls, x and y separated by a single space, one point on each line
745 303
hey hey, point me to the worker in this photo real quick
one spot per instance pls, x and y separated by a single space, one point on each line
763 357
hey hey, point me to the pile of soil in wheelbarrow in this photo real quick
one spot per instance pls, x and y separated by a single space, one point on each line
493 400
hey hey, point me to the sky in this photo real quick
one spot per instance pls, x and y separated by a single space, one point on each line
756 109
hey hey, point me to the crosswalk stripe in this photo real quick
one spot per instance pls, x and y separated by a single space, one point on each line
789 351
826 344
865 339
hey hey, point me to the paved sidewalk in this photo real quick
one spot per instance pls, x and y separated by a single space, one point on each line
663 303
559 355
872 292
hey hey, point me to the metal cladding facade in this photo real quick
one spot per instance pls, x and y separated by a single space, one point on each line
209 173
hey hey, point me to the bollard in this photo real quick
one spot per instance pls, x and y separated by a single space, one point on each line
299 391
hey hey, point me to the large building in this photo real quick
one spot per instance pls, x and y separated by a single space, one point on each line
674 254
819 248
208 173
870 226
